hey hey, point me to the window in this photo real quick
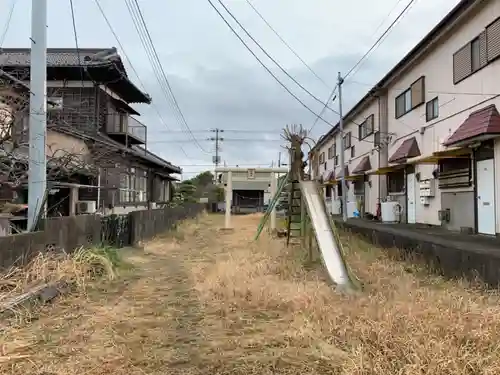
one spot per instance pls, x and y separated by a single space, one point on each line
359 187
411 98
322 158
376 139
133 186
328 191
353 152
403 103
164 191
396 181
432 109
331 151
366 128
400 105
347 140
455 173
407 96
478 53
336 160
475 51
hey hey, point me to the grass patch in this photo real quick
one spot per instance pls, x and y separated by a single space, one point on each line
75 271
212 304
406 321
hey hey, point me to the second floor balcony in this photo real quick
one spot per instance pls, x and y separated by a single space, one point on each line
125 129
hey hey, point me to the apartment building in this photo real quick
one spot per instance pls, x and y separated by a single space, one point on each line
430 129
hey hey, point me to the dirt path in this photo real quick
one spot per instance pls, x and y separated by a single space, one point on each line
200 301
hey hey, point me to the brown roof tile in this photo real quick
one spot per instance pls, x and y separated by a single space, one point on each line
481 122
408 149
363 166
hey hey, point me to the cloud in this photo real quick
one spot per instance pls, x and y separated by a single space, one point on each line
219 84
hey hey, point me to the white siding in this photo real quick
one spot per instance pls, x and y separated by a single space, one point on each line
456 101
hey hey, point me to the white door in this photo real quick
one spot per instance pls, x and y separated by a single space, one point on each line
485 196
411 204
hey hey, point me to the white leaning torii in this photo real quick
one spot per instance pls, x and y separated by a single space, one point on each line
271 172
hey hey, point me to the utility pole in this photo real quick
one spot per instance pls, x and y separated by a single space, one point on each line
279 159
217 140
342 146
37 176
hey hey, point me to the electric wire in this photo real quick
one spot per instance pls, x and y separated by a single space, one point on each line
152 60
129 61
384 38
379 38
265 66
163 75
75 35
272 59
377 42
286 44
8 22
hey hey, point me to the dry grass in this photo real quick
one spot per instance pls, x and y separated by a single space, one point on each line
207 302
78 268
73 272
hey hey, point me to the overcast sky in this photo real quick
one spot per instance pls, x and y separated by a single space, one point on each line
218 83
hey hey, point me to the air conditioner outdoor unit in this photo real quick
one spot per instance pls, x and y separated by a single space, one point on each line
86 207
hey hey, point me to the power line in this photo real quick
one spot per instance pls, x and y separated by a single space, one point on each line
265 67
286 44
163 75
226 131
129 61
386 17
225 140
272 59
75 35
380 38
367 53
8 22
318 116
384 38
227 165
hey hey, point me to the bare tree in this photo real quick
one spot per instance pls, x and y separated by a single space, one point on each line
295 135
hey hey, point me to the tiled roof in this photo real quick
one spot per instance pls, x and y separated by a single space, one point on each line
408 149
63 57
363 166
485 121
102 65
